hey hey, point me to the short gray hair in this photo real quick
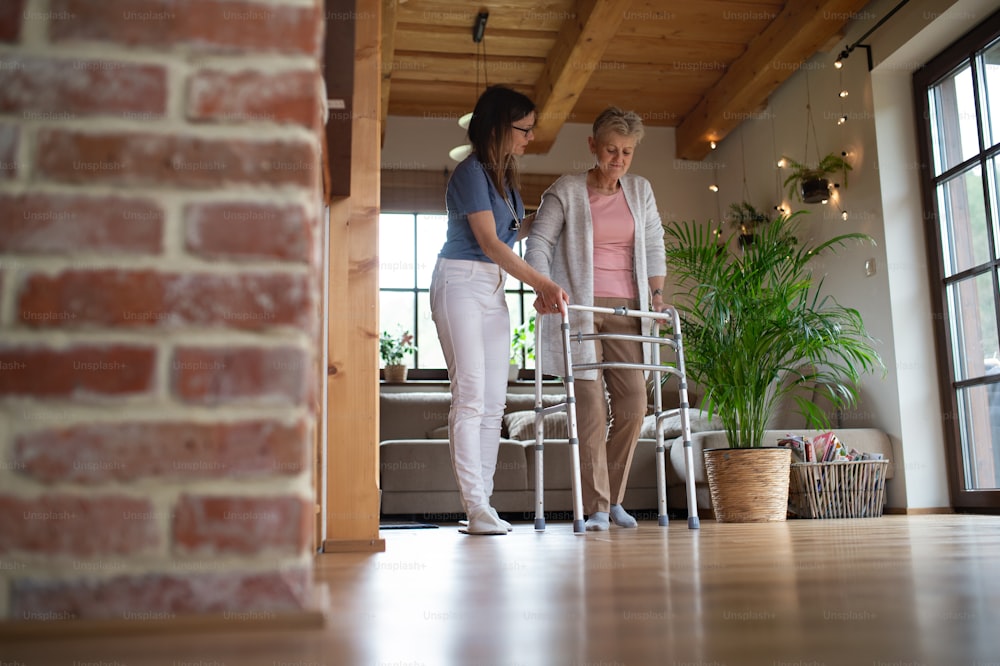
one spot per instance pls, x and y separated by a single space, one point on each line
626 123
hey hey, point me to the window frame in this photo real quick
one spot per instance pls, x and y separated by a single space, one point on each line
962 53
524 294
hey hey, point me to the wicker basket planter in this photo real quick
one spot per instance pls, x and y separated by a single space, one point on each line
395 374
748 485
838 489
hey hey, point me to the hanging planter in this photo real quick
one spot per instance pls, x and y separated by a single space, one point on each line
812 184
814 189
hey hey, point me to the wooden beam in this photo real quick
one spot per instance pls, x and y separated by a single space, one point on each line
771 58
352 497
338 49
576 54
389 15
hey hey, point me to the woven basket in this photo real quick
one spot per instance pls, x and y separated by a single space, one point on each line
838 489
748 485
395 374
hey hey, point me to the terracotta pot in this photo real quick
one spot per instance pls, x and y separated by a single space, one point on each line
395 374
749 485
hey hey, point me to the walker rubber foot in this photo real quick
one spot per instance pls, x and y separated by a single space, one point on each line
540 524
578 527
663 521
693 522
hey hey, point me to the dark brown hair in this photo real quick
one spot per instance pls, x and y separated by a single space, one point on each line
490 132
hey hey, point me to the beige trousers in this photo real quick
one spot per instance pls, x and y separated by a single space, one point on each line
609 411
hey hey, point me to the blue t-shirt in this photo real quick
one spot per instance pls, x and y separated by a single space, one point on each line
471 191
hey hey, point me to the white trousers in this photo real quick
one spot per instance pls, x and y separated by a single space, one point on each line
470 311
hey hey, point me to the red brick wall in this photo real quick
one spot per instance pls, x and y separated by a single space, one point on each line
159 306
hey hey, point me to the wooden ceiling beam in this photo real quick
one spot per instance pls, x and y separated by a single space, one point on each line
389 18
794 36
576 55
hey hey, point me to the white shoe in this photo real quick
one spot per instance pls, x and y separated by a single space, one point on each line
484 522
510 528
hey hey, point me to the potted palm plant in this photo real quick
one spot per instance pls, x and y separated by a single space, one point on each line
811 184
756 328
392 348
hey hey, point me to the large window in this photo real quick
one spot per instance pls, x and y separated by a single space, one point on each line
958 96
408 248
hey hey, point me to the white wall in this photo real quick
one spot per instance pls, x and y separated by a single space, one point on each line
881 198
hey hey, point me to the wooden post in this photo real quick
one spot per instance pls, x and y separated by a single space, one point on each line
352 497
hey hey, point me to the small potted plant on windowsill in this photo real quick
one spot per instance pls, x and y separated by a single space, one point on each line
811 184
392 349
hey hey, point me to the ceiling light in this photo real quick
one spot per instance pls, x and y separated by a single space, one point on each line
459 153
713 187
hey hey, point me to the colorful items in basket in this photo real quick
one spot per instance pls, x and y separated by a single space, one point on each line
825 447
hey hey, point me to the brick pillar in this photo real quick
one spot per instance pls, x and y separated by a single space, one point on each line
160 298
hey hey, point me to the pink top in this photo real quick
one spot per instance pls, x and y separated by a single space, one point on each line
614 245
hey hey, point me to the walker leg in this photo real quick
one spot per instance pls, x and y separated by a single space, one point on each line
693 522
661 480
539 487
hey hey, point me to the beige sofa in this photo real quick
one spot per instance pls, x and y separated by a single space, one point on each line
416 475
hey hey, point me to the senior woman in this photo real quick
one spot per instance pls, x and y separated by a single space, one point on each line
599 235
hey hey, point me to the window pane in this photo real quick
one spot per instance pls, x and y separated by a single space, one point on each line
395 312
395 250
524 359
980 426
513 283
429 353
972 312
953 120
965 240
431 233
991 94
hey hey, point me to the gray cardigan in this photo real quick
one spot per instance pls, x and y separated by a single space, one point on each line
561 246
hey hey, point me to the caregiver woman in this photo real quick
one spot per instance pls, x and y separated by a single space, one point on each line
468 304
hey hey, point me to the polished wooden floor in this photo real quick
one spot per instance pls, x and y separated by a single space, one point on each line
921 590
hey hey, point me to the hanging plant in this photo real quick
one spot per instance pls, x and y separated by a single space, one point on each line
811 184
746 218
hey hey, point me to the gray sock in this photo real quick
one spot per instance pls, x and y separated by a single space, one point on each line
598 522
621 517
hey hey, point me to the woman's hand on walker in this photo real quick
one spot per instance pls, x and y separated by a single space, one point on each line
551 299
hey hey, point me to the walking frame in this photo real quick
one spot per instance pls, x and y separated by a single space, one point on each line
672 341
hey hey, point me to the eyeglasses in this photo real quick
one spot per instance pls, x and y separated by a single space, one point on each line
526 131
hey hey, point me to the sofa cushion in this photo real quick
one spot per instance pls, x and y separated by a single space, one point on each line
521 425
441 432
698 421
421 464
